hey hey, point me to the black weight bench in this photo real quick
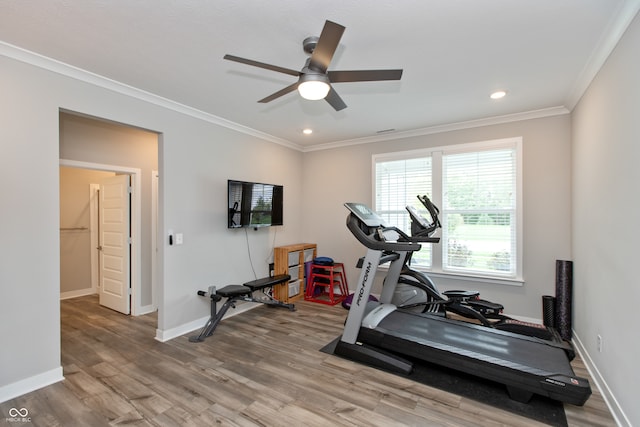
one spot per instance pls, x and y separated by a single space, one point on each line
235 293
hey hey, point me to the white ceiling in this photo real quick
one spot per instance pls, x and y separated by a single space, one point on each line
454 54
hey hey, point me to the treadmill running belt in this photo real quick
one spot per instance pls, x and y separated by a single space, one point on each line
468 339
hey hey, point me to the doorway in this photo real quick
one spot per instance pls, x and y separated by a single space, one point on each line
111 171
99 145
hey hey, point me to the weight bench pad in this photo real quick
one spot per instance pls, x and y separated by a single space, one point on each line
233 291
267 282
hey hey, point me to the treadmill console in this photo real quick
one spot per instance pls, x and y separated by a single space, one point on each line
415 216
366 215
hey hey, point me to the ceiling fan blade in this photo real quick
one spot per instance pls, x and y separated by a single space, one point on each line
363 75
335 101
279 93
326 47
262 65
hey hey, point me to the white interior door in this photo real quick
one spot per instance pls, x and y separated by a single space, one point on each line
115 244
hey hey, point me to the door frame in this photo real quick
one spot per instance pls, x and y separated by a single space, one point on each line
94 190
136 224
155 188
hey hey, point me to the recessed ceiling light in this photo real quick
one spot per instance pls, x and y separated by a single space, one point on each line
307 131
498 94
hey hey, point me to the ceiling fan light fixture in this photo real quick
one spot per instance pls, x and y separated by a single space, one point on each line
313 86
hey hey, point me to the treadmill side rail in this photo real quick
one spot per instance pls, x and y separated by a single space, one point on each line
375 316
373 356
572 390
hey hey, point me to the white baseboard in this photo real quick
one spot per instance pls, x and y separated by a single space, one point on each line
30 384
77 293
146 309
613 405
169 334
164 335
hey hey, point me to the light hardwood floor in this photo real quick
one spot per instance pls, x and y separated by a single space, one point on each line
260 368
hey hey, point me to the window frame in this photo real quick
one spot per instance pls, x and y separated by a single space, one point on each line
436 154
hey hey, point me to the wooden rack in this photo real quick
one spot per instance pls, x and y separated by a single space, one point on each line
291 259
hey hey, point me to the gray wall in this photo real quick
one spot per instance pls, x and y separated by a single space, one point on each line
345 175
196 157
606 235
29 256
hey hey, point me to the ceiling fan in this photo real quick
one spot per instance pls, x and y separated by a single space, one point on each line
314 80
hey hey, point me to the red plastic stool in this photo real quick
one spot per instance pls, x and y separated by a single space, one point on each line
327 284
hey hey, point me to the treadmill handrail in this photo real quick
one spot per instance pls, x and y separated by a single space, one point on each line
369 241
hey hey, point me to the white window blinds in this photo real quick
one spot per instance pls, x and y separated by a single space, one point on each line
479 212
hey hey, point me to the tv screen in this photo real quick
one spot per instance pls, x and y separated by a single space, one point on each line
253 204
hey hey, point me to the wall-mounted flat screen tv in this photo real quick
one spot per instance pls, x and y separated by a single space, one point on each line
253 204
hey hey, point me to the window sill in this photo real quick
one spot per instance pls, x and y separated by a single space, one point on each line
493 280
476 278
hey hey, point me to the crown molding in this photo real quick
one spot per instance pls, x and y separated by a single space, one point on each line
469 124
607 43
55 66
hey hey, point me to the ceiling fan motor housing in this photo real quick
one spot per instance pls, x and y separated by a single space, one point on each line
309 44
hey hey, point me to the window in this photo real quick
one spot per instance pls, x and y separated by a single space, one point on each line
478 190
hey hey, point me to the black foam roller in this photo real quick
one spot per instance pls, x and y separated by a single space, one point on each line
564 285
549 311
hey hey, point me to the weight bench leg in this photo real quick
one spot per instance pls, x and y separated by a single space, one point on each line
213 321
271 301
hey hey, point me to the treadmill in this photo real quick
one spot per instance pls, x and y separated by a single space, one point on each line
381 335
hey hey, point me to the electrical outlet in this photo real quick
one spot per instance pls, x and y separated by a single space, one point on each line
599 343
